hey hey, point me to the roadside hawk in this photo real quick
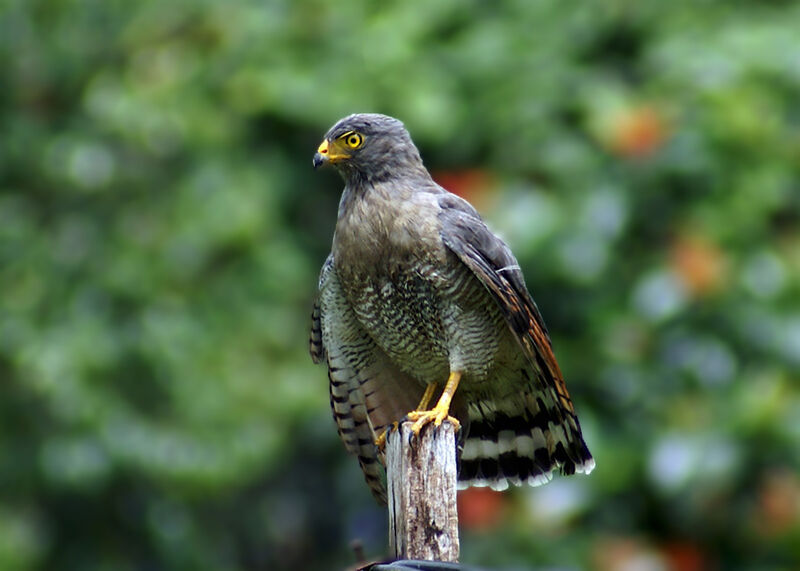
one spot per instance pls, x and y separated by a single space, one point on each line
418 298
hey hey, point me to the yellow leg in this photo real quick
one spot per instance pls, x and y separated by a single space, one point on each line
441 411
430 390
427 396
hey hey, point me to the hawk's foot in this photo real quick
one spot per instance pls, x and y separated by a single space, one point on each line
440 412
436 415
380 441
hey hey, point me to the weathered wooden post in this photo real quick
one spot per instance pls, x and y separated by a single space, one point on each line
422 478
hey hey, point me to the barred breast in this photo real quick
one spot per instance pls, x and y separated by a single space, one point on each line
431 320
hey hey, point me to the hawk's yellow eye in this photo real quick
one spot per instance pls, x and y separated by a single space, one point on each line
352 140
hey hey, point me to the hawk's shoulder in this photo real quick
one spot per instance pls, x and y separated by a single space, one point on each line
486 254
491 260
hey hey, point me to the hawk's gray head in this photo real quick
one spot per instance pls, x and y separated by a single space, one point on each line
369 147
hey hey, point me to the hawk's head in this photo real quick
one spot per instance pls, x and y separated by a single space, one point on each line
370 147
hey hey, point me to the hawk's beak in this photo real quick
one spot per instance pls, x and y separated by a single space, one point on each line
321 156
327 153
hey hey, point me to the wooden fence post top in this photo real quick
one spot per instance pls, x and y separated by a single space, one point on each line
422 483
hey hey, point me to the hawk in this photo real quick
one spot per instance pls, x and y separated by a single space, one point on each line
419 299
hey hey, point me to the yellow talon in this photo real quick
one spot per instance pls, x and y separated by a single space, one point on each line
440 412
380 441
437 416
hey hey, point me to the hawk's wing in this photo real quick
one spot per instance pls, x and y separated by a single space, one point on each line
492 262
368 392
315 345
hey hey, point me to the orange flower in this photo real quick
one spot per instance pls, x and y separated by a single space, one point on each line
470 184
480 509
778 503
638 132
699 262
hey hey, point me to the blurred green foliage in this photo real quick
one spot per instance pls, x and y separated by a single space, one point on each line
161 230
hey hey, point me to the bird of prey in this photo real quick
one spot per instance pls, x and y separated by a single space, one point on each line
418 298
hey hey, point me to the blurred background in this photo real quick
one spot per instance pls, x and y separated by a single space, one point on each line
161 231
